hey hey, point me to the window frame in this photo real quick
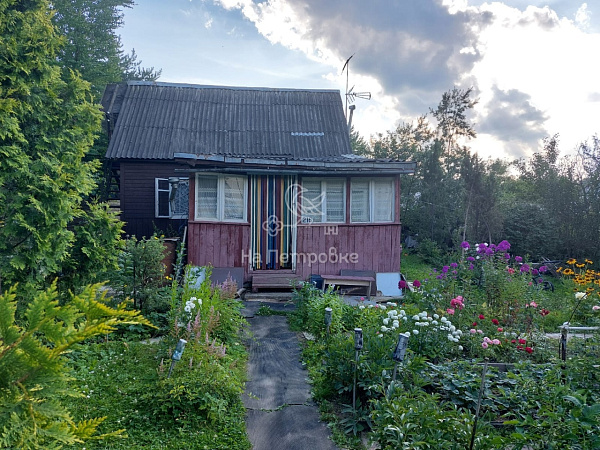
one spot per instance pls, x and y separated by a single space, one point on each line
323 182
372 198
221 198
157 203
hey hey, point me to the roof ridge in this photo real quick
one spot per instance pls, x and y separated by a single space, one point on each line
233 88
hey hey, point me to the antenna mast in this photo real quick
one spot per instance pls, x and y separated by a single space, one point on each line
350 94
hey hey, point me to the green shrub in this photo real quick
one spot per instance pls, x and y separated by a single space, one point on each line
34 377
418 420
141 275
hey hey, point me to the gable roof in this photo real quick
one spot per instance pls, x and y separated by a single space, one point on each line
151 120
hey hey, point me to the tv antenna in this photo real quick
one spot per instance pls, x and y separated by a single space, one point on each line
350 94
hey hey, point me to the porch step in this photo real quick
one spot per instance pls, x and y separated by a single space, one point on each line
274 280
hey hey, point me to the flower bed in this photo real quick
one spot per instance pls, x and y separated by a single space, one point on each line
488 304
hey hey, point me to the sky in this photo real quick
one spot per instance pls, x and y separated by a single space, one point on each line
533 65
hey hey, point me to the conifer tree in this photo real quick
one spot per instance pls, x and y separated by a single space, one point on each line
47 125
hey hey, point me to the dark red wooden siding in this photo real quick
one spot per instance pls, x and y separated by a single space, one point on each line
377 247
218 244
137 197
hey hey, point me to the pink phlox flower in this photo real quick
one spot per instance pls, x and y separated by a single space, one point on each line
450 311
472 331
533 304
484 344
595 308
496 341
457 303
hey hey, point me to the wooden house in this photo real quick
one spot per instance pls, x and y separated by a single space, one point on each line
264 179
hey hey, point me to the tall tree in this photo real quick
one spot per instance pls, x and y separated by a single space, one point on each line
452 122
92 46
47 124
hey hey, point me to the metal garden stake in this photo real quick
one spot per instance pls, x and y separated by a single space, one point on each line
358 345
328 312
399 352
177 354
481 389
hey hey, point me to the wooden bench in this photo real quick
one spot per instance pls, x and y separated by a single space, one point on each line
346 280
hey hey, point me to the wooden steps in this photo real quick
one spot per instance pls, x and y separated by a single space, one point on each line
274 280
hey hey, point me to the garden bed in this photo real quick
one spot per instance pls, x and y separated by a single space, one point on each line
483 307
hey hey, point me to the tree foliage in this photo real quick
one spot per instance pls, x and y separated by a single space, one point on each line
92 46
33 367
47 125
545 205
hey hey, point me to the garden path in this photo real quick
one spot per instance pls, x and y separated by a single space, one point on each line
280 412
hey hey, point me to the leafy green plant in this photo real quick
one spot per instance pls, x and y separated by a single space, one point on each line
33 366
141 275
417 420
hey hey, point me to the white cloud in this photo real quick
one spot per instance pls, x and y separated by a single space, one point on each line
583 17
546 57
408 54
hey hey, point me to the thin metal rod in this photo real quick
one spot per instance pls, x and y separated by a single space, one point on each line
481 389
354 384
171 368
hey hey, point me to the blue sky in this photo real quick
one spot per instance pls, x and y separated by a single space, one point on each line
532 64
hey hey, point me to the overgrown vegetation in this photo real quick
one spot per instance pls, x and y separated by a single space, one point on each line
194 402
486 304
34 378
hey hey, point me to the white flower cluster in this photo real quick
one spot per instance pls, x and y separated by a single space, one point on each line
393 319
424 320
191 304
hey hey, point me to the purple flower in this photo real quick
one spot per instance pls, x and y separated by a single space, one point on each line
525 268
454 265
445 269
518 259
454 272
489 251
470 258
471 267
503 246
535 272
543 269
465 245
439 277
507 256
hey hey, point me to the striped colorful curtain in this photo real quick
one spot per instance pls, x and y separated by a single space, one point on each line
273 221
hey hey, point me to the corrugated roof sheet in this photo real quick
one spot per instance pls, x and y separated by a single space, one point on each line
156 120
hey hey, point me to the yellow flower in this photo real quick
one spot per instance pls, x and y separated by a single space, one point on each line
571 261
587 261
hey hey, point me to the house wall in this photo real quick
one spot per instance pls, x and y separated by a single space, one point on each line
218 244
327 250
320 249
137 196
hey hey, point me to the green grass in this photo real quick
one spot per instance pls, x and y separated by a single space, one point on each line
414 267
117 380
